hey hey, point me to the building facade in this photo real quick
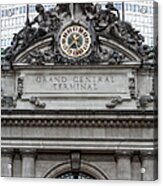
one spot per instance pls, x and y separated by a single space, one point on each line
79 98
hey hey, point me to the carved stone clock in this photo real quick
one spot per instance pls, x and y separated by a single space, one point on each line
75 41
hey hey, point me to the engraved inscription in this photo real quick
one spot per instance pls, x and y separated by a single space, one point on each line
76 83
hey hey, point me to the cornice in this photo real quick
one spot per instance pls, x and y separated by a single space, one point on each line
79 112
78 122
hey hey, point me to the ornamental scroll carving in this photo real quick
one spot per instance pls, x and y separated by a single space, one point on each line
35 101
8 101
144 101
114 102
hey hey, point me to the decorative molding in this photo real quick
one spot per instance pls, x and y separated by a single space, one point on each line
154 84
144 101
132 87
95 144
93 114
35 101
20 86
148 154
6 151
75 160
136 157
86 167
47 57
114 102
8 101
99 123
123 154
5 64
28 152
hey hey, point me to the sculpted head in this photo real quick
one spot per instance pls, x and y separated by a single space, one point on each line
39 8
98 7
109 5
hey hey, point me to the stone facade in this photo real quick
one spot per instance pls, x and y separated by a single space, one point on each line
85 112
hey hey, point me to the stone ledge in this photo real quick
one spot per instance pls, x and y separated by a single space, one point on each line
101 145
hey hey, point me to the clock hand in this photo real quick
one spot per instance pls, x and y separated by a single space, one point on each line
76 43
75 37
76 40
73 42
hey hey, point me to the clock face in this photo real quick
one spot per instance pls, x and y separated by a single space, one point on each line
75 41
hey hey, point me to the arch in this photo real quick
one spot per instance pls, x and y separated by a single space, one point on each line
46 42
43 43
133 56
86 168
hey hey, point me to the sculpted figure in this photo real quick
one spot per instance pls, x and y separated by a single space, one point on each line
88 10
39 57
123 31
36 57
22 39
42 20
16 44
63 10
8 53
112 13
104 55
146 52
99 19
49 57
116 58
29 34
138 37
104 18
54 21
17 41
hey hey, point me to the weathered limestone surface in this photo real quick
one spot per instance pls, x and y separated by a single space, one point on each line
123 126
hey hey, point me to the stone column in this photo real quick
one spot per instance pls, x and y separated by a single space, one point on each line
28 163
17 165
7 162
149 164
123 165
136 168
